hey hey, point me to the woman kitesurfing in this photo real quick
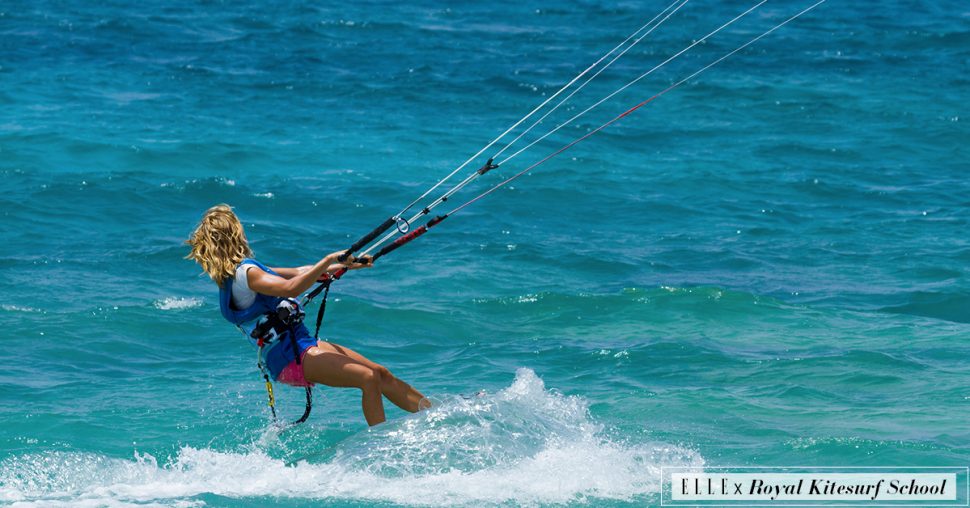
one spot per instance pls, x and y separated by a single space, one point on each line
261 301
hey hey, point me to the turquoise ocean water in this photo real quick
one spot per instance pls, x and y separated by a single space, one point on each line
766 266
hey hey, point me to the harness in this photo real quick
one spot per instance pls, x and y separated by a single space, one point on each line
273 319
273 327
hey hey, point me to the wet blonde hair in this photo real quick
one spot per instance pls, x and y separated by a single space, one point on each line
219 243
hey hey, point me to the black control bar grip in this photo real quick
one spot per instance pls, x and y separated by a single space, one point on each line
366 239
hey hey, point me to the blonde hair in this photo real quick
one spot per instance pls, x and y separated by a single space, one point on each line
219 243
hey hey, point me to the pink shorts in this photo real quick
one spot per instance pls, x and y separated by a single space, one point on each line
292 374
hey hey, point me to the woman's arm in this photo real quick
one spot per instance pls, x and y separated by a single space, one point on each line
294 281
289 273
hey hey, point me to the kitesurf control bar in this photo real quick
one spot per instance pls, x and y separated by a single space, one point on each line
326 279
408 237
368 238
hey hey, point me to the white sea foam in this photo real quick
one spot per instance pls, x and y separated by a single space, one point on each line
177 303
18 308
523 445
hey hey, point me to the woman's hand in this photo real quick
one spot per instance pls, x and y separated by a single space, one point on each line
356 263
351 262
334 257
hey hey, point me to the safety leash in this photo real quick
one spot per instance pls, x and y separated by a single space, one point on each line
287 316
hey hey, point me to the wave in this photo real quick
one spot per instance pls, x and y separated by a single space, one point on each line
19 308
945 306
177 303
525 444
637 304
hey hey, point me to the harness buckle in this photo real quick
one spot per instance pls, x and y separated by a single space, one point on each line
290 312
273 325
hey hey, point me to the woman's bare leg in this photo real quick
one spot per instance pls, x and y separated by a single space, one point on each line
400 393
335 369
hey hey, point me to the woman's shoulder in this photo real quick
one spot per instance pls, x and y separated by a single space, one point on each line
251 262
248 263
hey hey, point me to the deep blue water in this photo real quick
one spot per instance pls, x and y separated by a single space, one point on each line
766 266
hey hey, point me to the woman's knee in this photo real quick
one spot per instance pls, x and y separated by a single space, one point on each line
387 377
370 378
384 373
